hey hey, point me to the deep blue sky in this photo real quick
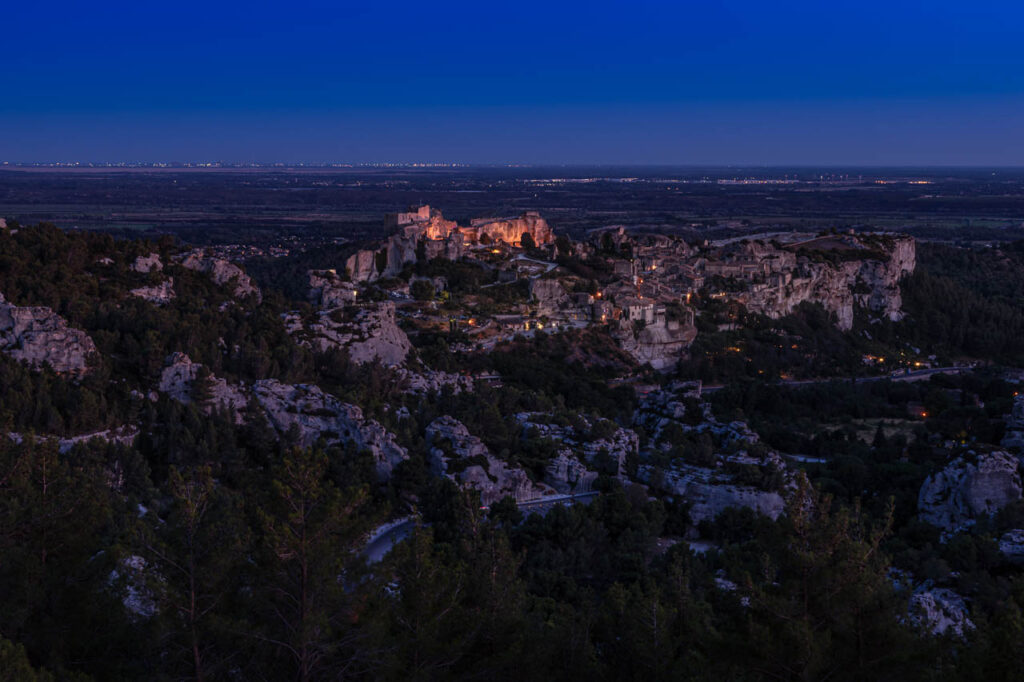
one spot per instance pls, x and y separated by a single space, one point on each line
769 82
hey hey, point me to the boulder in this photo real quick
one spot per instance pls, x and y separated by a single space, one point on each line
37 336
710 493
969 488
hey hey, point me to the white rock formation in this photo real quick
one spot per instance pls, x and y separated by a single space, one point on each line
315 414
969 488
567 474
148 263
327 289
548 294
37 336
464 458
1012 545
871 282
132 582
157 294
660 344
222 273
177 382
430 381
306 408
940 611
710 493
369 333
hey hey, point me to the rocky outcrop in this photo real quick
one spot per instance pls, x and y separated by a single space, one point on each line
368 333
148 263
581 441
462 457
1011 544
940 611
301 410
662 344
871 282
710 492
178 379
430 381
223 273
548 295
311 414
713 487
39 337
157 294
1014 436
969 488
567 474
329 291
134 581
362 266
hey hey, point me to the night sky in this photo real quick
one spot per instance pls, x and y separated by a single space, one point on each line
771 82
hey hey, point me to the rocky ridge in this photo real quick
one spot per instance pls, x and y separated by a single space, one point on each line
223 273
368 333
464 458
302 410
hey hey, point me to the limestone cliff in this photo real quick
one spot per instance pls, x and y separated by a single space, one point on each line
969 488
661 344
37 336
368 333
462 457
314 414
870 281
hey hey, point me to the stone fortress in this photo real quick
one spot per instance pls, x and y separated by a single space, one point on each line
425 227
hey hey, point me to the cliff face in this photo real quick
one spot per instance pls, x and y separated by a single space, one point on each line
661 344
369 335
37 336
511 230
872 283
954 498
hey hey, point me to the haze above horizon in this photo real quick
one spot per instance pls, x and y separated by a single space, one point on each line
709 84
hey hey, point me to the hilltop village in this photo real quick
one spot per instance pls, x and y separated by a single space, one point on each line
639 288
